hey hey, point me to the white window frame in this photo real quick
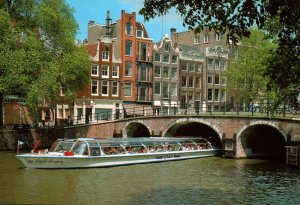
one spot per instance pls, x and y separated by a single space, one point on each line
113 86
157 83
155 57
103 70
105 55
219 36
97 87
95 69
206 38
217 77
197 39
168 58
155 72
115 73
102 85
176 59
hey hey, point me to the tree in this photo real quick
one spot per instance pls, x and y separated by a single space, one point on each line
236 18
38 52
246 73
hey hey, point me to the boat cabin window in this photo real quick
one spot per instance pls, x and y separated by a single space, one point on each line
113 150
80 148
95 151
61 146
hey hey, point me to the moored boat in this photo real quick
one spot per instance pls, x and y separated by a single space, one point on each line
90 152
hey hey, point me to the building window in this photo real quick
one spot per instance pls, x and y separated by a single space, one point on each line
157 88
166 58
174 74
139 33
199 67
165 90
94 87
206 38
183 100
128 69
210 64
115 88
129 29
128 51
217 64
167 47
94 70
191 99
191 66
209 79
105 71
219 36
157 71
198 82
166 72
127 90
173 89
197 39
183 66
191 82
209 95
157 57
217 79
223 65
183 81
105 55
104 88
217 94
115 71
174 59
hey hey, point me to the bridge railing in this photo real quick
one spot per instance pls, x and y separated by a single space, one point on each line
229 109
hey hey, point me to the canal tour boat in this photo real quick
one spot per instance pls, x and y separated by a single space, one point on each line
93 152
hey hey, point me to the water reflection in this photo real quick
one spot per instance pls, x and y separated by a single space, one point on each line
199 181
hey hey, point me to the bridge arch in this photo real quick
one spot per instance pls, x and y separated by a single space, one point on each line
194 127
136 128
260 138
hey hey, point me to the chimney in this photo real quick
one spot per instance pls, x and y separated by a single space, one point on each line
173 30
91 22
108 23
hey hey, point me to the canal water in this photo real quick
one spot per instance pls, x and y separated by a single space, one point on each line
211 180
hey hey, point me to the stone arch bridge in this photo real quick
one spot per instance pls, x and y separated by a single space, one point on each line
237 135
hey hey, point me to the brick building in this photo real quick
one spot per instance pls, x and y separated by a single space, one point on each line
133 47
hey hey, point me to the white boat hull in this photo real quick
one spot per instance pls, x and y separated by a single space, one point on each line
48 161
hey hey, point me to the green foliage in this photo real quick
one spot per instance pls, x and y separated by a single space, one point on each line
246 73
38 51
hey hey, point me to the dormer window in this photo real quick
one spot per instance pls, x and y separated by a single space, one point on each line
139 33
105 54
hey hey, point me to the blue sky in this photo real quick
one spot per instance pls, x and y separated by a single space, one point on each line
95 10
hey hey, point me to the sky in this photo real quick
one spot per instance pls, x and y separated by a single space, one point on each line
95 10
